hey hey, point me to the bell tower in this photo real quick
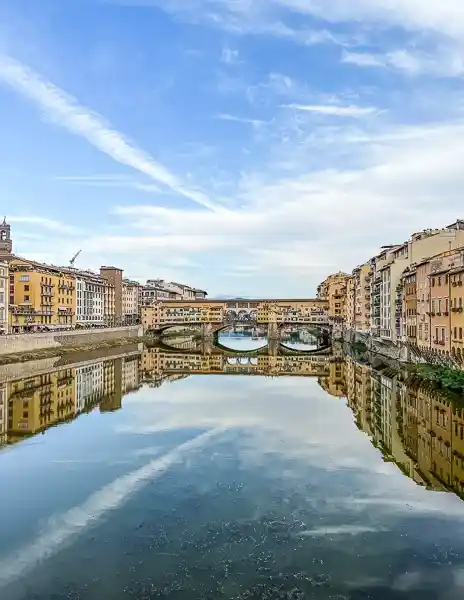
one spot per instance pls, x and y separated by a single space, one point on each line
6 244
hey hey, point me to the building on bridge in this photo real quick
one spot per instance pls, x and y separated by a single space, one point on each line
214 315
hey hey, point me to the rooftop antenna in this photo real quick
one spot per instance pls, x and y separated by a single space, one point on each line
73 259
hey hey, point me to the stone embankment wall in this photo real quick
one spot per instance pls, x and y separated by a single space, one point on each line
79 358
397 351
30 342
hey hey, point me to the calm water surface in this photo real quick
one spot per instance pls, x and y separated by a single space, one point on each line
180 475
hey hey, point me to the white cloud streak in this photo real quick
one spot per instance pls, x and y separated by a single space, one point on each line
64 110
47 224
62 529
335 111
445 63
228 117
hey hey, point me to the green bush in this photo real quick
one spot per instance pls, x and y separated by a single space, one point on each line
444 377
359 347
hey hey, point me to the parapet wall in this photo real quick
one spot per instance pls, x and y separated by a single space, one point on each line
30 342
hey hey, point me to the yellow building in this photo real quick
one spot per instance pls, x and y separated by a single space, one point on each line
334 290
40 296
171 313
335 381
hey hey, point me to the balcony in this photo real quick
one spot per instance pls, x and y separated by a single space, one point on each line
22 309
47 293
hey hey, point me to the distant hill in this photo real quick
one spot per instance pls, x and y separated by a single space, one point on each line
232 297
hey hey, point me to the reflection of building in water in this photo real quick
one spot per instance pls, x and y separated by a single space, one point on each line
358 391
3 413
112 385
36 403
334 382
89 385
30 406
418 429
130 374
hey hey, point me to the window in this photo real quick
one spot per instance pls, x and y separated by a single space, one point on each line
455 333
26 298
2 297
433 281
24 278
433 306
443 334
439 281
460 333
439 305
26 288
436 334
447 305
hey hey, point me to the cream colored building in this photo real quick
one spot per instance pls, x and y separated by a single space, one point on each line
389 266
4 297
130 301
90 298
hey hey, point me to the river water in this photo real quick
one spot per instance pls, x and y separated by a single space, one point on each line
190 475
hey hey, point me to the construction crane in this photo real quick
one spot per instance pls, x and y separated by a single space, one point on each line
73 259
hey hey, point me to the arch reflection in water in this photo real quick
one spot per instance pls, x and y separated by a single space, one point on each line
242 338
300 339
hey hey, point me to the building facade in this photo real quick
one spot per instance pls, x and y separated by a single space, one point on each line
409 305
350 319
40 297
389 308
112 304
150 293
456 281
4 297
130 302
362 294
90 299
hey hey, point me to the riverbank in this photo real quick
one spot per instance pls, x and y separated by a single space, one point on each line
23 366
24 344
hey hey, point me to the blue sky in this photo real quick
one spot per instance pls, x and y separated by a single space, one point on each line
246 147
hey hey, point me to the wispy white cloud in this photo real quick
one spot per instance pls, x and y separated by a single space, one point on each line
65 111
108 180
445 63
46 224
228 117
335 111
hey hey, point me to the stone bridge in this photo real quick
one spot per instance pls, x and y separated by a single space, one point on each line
212 316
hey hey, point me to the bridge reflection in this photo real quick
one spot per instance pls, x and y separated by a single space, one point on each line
272 347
